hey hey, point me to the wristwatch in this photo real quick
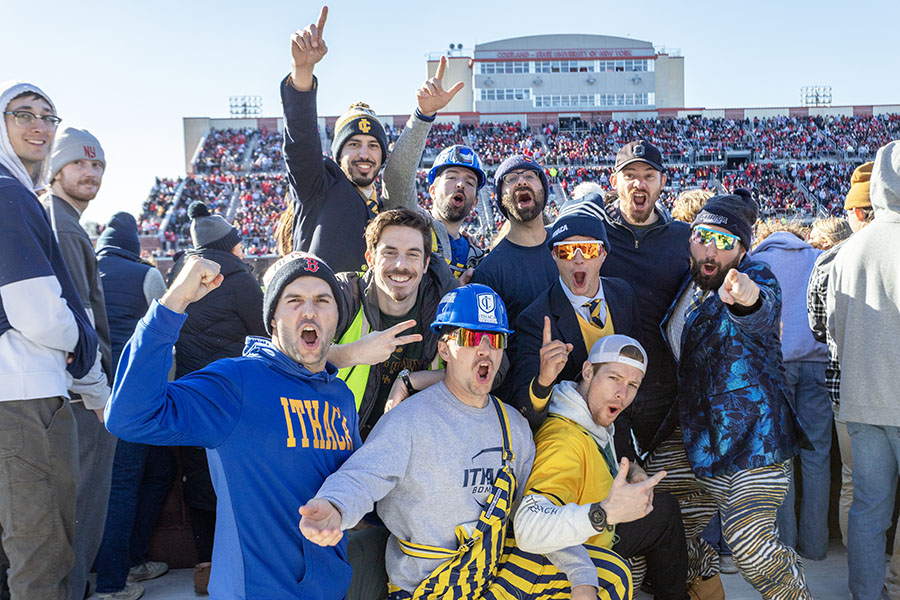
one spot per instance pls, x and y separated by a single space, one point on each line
597 515
404 377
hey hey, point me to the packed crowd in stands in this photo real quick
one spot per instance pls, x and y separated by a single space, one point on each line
157 204
223 150
262 200
214 190
267 156
795 165
495 141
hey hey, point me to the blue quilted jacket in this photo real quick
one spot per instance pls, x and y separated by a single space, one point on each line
732 401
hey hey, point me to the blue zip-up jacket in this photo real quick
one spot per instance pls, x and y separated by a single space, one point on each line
274 431
732 401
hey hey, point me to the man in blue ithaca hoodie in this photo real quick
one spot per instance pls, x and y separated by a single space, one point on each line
276 422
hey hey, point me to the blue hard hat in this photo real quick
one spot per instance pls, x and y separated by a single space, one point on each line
460 156
474 306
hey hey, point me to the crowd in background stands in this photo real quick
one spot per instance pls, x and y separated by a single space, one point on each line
494 142
267 156
157 204
223 150
262 200
214 190
788 154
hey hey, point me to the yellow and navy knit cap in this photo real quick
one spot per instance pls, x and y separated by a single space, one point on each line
858 196
359 119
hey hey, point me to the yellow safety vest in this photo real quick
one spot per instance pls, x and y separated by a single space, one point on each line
356 376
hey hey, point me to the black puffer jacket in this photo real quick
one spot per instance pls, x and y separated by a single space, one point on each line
218 324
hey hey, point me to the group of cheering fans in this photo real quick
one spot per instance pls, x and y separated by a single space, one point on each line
559 417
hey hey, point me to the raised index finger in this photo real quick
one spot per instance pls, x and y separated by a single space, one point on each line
547 337
320 24
442 64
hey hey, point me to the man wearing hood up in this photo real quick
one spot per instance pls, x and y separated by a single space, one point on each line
863 313
791 260
578 492
46 339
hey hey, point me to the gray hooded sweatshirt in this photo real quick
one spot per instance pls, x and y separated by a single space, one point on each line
863 303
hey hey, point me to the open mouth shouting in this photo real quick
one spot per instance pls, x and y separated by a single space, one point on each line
640 200
708 269
579 280
458 200
524 198
309 337
484 372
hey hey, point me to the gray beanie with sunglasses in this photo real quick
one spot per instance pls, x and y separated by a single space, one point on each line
735 212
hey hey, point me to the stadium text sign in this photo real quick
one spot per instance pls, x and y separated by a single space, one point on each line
545 54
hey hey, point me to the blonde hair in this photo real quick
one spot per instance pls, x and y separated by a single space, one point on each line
764 230
688 204
284 231
831 230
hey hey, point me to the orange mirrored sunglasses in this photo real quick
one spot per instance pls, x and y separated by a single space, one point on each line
589 249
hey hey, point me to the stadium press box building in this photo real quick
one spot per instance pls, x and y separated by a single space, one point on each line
546 77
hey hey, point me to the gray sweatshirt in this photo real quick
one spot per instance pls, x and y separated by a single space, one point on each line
430 463
863 303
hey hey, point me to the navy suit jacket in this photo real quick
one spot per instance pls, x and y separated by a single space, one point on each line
564 327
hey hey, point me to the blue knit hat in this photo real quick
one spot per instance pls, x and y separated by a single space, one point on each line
578 221
121 232
513 163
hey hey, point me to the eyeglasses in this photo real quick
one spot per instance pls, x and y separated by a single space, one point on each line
723 241
529 176
25 118
567 250
472 339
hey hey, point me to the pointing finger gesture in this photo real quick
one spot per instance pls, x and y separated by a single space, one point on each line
738 288
307 48
432 96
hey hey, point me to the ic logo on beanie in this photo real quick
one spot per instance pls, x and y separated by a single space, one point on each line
365 126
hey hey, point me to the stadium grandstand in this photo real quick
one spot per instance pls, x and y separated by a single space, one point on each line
572 112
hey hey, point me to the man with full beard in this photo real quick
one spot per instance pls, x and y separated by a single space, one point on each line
520 266
740 432
77 164
275 421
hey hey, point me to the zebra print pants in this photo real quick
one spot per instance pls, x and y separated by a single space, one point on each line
697 507
747 501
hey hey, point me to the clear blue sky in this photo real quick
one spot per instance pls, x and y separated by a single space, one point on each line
129 72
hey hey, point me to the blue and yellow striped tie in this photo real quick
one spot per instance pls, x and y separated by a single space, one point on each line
372 203
597 307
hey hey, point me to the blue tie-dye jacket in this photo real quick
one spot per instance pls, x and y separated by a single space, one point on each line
732 401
